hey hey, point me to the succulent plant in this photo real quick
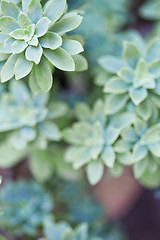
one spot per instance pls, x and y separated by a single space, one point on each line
32 39
92 139
134 79
25 207
150 10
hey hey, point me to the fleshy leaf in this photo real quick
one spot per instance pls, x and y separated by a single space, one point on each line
144 109
7 71
116 85
34 53
73 47
19 46
67 24
138 95
139 152
54 9
44 75
8 24
94 172
108 156
130 51
9 9
60 59
111 64
42 26
33 82
51 40
81 63
22 67
34 41
155 149
50 131
34 11
114 103
24 20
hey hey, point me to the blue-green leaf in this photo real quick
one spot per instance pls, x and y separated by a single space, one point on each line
51 40
60 59
8 24
34 53
54 9
34 11
7 71
22 67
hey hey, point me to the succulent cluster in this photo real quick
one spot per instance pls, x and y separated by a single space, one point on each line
125 129
33 39
27 211
25 207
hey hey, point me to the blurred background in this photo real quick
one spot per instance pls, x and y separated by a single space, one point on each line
114 209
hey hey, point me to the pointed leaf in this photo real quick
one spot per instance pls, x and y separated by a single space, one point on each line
8 24
54 9
114 103
34 11
9 9
33 82
73 47
22 67
34 53
155 149
116 85
34 41
67 24
50 131
139 152
42 26
138 95
109 156
51 40
130 51
19 46
111 64
81 63
94 172
144 110
7 71
24 21
60 59
44 75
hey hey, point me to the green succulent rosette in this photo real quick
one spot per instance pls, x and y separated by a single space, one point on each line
92 140
33 39
133 81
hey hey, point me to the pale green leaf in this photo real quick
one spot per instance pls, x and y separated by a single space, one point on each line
67 24
9 9
73 47
108 156
8 24
42 26
34 41
7 71
111 64
33 82
22 67
54 9
18 34
155 149
81 63
34 54
50 130
51 40
34 11
114 103
130 51
24 21
144 109
19 46
94 172
139 152
138 95
140 167
116 85
60 59
44 75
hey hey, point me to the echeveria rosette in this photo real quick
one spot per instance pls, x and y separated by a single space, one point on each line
32 39
139 145
92 140
133 79
28 124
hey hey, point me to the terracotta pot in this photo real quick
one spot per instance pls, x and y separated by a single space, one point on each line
118 195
